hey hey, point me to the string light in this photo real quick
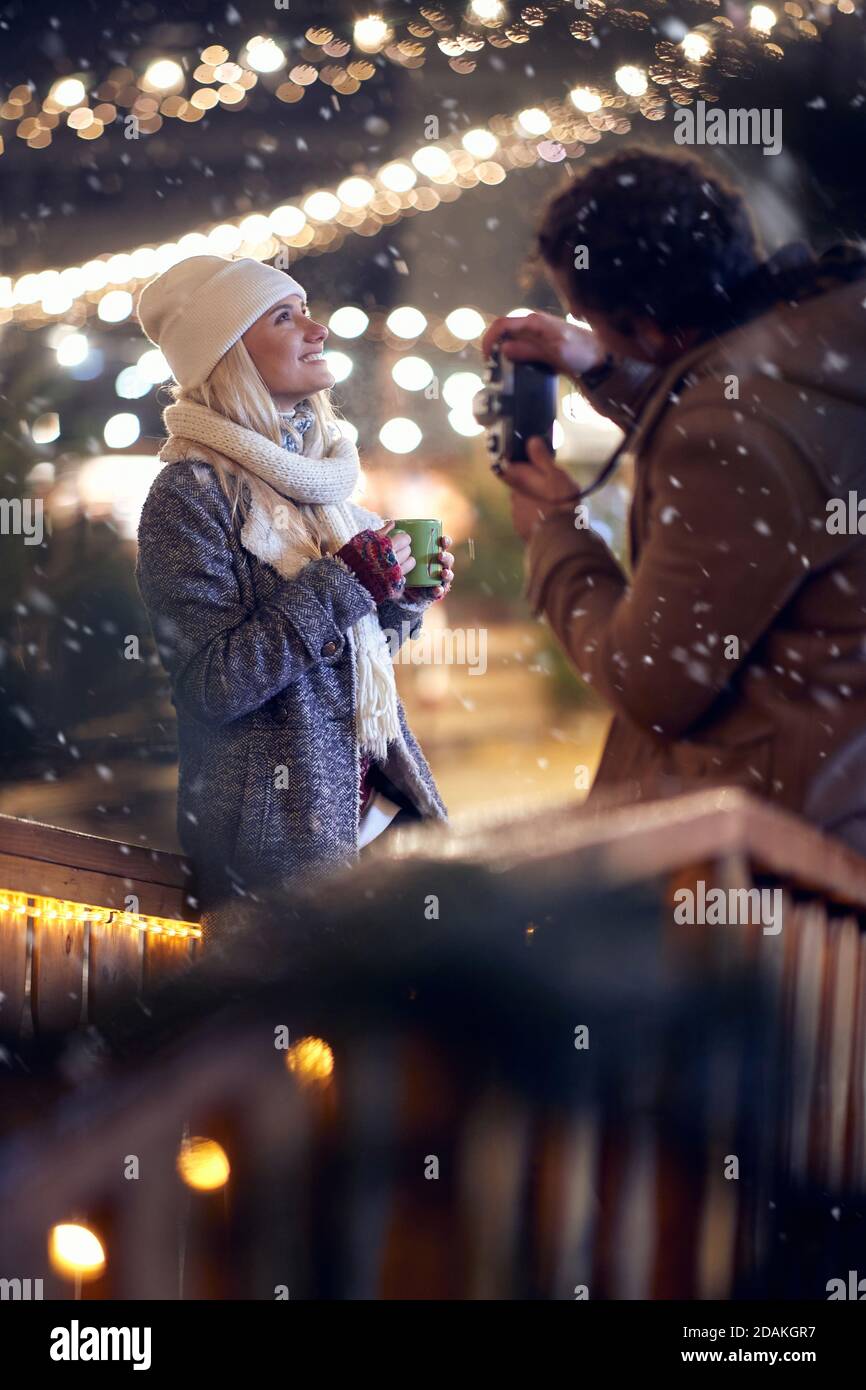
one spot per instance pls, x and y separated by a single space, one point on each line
433 161
69 91
161 92
371 34
762 18
356 192
164 74
53 909
398 177
586 100
115 306
480 143
285 221
264 55
488 11
323 206
631 80
324 220
411 373
695 46
534 121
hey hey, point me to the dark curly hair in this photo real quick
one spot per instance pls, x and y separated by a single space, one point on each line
666 238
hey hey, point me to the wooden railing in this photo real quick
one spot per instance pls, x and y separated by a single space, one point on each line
814 964
636 1177
85 922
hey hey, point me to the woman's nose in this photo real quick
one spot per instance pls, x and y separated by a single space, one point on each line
318 332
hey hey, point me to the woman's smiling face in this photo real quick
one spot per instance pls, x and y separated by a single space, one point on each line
286 345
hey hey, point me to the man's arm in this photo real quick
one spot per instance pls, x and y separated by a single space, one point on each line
614 387
618 387
723 554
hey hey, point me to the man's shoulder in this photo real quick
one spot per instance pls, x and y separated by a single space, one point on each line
809 343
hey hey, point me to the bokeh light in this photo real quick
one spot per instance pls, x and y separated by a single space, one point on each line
203 1164
406 322
340 364
75 1251
164 74
311 1061
72 349
631 80
121 430
348 321
69 91
115 306
465 323
400 435
412 373
45 428
264 55
459 389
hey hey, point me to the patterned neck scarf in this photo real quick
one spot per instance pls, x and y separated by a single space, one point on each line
301 417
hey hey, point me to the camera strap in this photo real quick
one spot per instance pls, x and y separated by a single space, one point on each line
607 471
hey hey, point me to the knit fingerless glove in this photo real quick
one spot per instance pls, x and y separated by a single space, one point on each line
372 560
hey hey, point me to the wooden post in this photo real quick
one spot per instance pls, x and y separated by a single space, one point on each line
114 967
57 991
15 940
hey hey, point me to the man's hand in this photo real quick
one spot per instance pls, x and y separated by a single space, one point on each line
537 337
538 489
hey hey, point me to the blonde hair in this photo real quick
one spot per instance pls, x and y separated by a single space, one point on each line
236 389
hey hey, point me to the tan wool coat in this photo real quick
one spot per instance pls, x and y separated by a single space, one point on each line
735 652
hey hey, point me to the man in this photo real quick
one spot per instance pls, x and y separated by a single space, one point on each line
736 652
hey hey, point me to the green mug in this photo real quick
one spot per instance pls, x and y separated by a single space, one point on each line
424 537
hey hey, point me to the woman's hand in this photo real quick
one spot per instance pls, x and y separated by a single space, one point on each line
373 559
402 546
538 488
567 348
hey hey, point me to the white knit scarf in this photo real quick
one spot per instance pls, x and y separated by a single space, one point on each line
324 481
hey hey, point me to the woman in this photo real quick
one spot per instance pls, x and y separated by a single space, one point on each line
269 591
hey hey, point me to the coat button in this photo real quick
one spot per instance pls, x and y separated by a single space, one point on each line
281 714
329 649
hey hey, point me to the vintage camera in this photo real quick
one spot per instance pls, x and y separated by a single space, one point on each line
518 401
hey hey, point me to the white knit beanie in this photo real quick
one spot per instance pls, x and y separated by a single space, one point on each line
196 310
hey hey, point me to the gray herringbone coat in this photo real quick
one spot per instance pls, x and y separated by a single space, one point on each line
262 679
